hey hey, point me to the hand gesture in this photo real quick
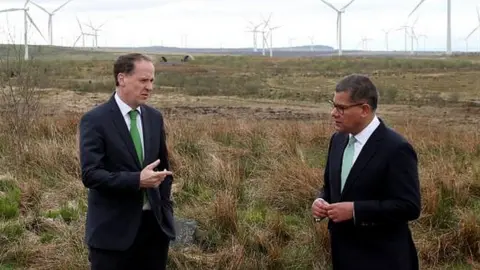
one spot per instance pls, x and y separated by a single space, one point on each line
150 178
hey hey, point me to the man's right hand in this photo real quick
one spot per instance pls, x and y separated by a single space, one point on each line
150 178
319 209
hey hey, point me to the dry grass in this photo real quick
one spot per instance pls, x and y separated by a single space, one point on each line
248 182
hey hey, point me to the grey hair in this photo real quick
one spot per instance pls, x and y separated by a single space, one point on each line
360 87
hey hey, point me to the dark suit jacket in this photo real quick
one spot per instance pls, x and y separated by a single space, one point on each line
111 172
383 184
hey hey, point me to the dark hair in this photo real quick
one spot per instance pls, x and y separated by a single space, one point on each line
360 88
126 64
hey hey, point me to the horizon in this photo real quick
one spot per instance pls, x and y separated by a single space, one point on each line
201 20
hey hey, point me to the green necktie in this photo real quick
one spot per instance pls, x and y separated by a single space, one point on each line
137 141
136 135
347 160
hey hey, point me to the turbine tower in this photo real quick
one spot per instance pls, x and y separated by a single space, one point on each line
339 22
27 19
449 23
50 16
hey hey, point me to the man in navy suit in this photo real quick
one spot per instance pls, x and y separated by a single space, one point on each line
124 164
371 186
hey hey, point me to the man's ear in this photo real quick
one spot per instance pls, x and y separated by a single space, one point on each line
366 109
121 79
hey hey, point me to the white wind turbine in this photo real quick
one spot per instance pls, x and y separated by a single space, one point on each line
95 32
386 37
312 40
82 34
50 17
405 28
425 37
265 33
290 43
364 42
339 22
449 23
27 19
413 36
270 34
255 31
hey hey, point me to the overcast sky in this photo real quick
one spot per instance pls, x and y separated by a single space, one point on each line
215 23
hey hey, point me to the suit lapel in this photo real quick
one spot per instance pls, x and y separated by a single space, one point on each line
122 129
147 136
367 153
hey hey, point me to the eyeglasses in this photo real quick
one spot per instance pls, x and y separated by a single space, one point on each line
341 108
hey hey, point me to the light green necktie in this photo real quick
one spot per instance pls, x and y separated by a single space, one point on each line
136 135
347 160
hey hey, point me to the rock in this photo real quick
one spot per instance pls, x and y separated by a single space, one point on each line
186 230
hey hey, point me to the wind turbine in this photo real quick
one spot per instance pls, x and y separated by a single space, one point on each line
339 22
265 33
312 38
364 43
254 31
270 33
95 32
290 43
425 37
449 23
386 37
50 16
82 34
27 18
413 35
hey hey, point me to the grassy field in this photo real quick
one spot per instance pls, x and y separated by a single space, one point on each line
248 139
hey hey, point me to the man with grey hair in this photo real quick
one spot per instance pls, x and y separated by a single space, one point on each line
371 185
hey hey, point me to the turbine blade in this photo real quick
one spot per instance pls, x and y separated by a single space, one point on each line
330 5
473 31
11 9
36 27
35 4
62 6
343 8
415 21
75 43
79 25
419 3
478 14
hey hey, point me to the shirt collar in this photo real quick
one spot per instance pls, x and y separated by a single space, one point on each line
363 136
124 108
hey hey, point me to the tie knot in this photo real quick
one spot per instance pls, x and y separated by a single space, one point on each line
133 114
352 140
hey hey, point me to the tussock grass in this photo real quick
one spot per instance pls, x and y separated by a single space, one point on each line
249 183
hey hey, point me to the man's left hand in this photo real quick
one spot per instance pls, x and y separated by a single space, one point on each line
339 212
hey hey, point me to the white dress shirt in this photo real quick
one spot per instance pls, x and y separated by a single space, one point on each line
363 136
